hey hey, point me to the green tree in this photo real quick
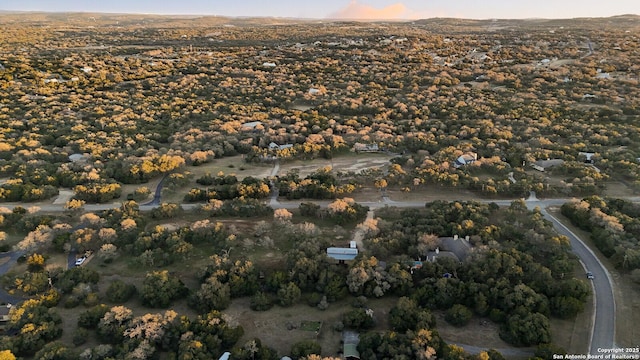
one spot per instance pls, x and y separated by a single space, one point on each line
160 289
526 330
458 315
359 319
119 291
212 295
56 351
289 294
261 301
305 348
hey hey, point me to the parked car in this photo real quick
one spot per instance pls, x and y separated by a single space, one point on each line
589 275
80 261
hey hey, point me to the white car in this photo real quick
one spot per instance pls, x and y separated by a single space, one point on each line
80 261
589 275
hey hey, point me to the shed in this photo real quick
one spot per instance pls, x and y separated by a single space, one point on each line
342 254
350 347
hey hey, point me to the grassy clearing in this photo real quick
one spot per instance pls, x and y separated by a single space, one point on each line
347 162
271 326
479 332
233 165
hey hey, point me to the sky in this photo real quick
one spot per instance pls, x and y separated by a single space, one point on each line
344 9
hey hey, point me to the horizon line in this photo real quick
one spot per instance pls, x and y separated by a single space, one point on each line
19 12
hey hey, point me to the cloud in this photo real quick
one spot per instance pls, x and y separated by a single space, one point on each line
356 10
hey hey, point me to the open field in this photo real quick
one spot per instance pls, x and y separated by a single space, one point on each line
271 326
345 163
232 165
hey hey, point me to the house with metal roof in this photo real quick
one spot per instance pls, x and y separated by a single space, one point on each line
342 254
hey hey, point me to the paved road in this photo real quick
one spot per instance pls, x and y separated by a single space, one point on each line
157 195
12 257
604 317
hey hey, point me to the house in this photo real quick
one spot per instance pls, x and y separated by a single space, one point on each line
588 157
455 247
342 254
359 147
4 313
350 340
78 157
465 159
250 125
544 165
274 146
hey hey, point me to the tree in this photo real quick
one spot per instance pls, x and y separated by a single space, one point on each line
424 344
526 330
289 294
113 324
458 315
407 315
212 295
282 215
359 319
305 348
261 301
160 288
7 355
56 351
119 291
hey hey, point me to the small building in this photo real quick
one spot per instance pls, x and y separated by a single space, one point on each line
544 165
268 64
350 341
251 125
465 159
342 254
359 147
78 157
588 156
4 313
274 146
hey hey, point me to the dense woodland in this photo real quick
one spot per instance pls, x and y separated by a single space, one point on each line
145 97
133 99
518 275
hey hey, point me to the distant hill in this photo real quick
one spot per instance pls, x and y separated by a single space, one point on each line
111 19
149 20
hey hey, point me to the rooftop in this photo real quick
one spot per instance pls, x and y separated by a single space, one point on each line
342 253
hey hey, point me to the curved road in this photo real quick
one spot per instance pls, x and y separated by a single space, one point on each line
603 327
604 317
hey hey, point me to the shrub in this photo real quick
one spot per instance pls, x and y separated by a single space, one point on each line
119 291
261 302
458 315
